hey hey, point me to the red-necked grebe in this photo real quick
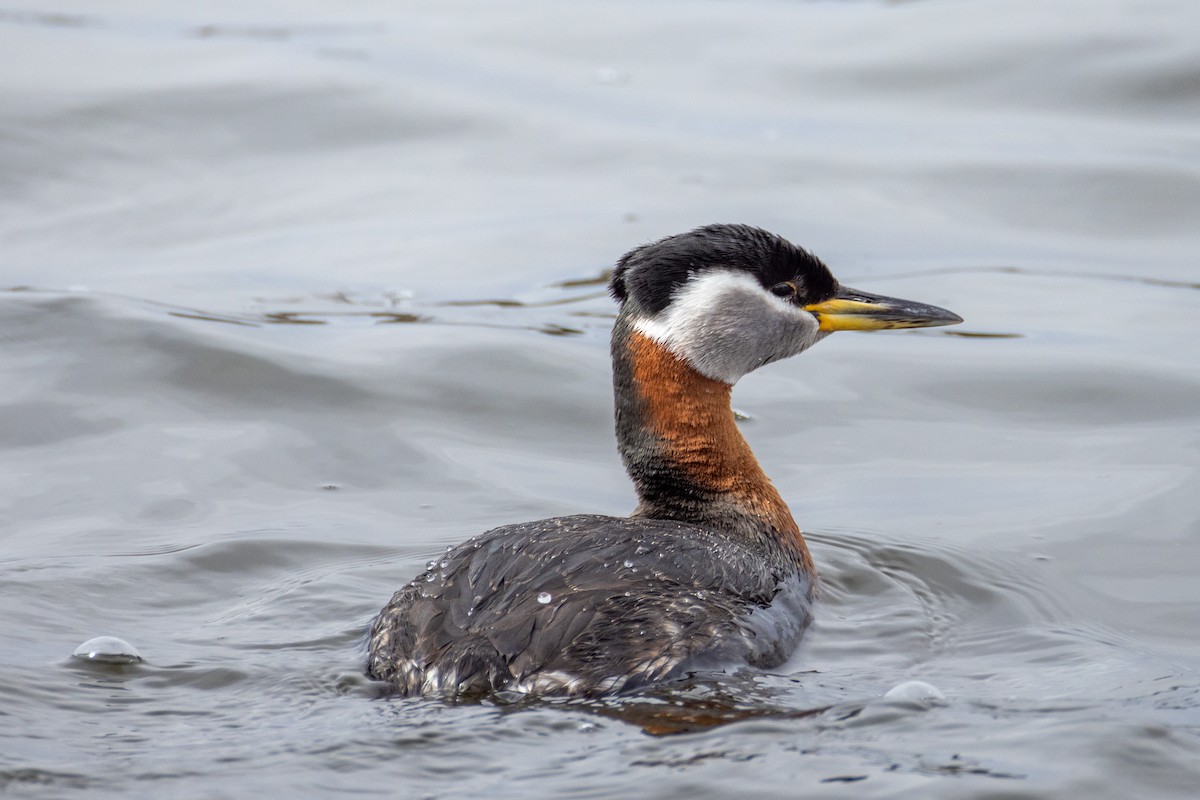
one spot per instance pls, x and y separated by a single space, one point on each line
710 571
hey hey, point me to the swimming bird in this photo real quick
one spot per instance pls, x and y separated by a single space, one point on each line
710 571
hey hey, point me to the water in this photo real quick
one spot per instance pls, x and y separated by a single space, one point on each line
298 294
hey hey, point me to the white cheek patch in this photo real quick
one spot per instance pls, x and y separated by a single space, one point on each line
725 324
693 302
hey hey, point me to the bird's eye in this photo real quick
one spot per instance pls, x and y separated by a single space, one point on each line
786 290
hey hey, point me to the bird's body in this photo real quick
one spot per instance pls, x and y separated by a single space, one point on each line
710 571
589 605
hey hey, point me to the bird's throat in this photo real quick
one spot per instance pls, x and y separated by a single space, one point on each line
683 449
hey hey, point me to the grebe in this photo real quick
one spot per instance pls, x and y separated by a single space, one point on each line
710 571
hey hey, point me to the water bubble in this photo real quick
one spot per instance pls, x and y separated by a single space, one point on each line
108 650
917 692
545 597
443 564
428 577
431 564
628 563
396 296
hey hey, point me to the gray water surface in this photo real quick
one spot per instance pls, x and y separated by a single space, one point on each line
295 295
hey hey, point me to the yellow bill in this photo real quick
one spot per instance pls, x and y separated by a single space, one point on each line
854 310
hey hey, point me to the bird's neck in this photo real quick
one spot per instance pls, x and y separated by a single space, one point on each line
683 450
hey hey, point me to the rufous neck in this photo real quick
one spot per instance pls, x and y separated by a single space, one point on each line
682 447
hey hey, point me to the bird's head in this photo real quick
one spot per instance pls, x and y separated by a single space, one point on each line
730 298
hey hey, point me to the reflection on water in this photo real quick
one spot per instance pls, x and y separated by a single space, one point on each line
292 303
